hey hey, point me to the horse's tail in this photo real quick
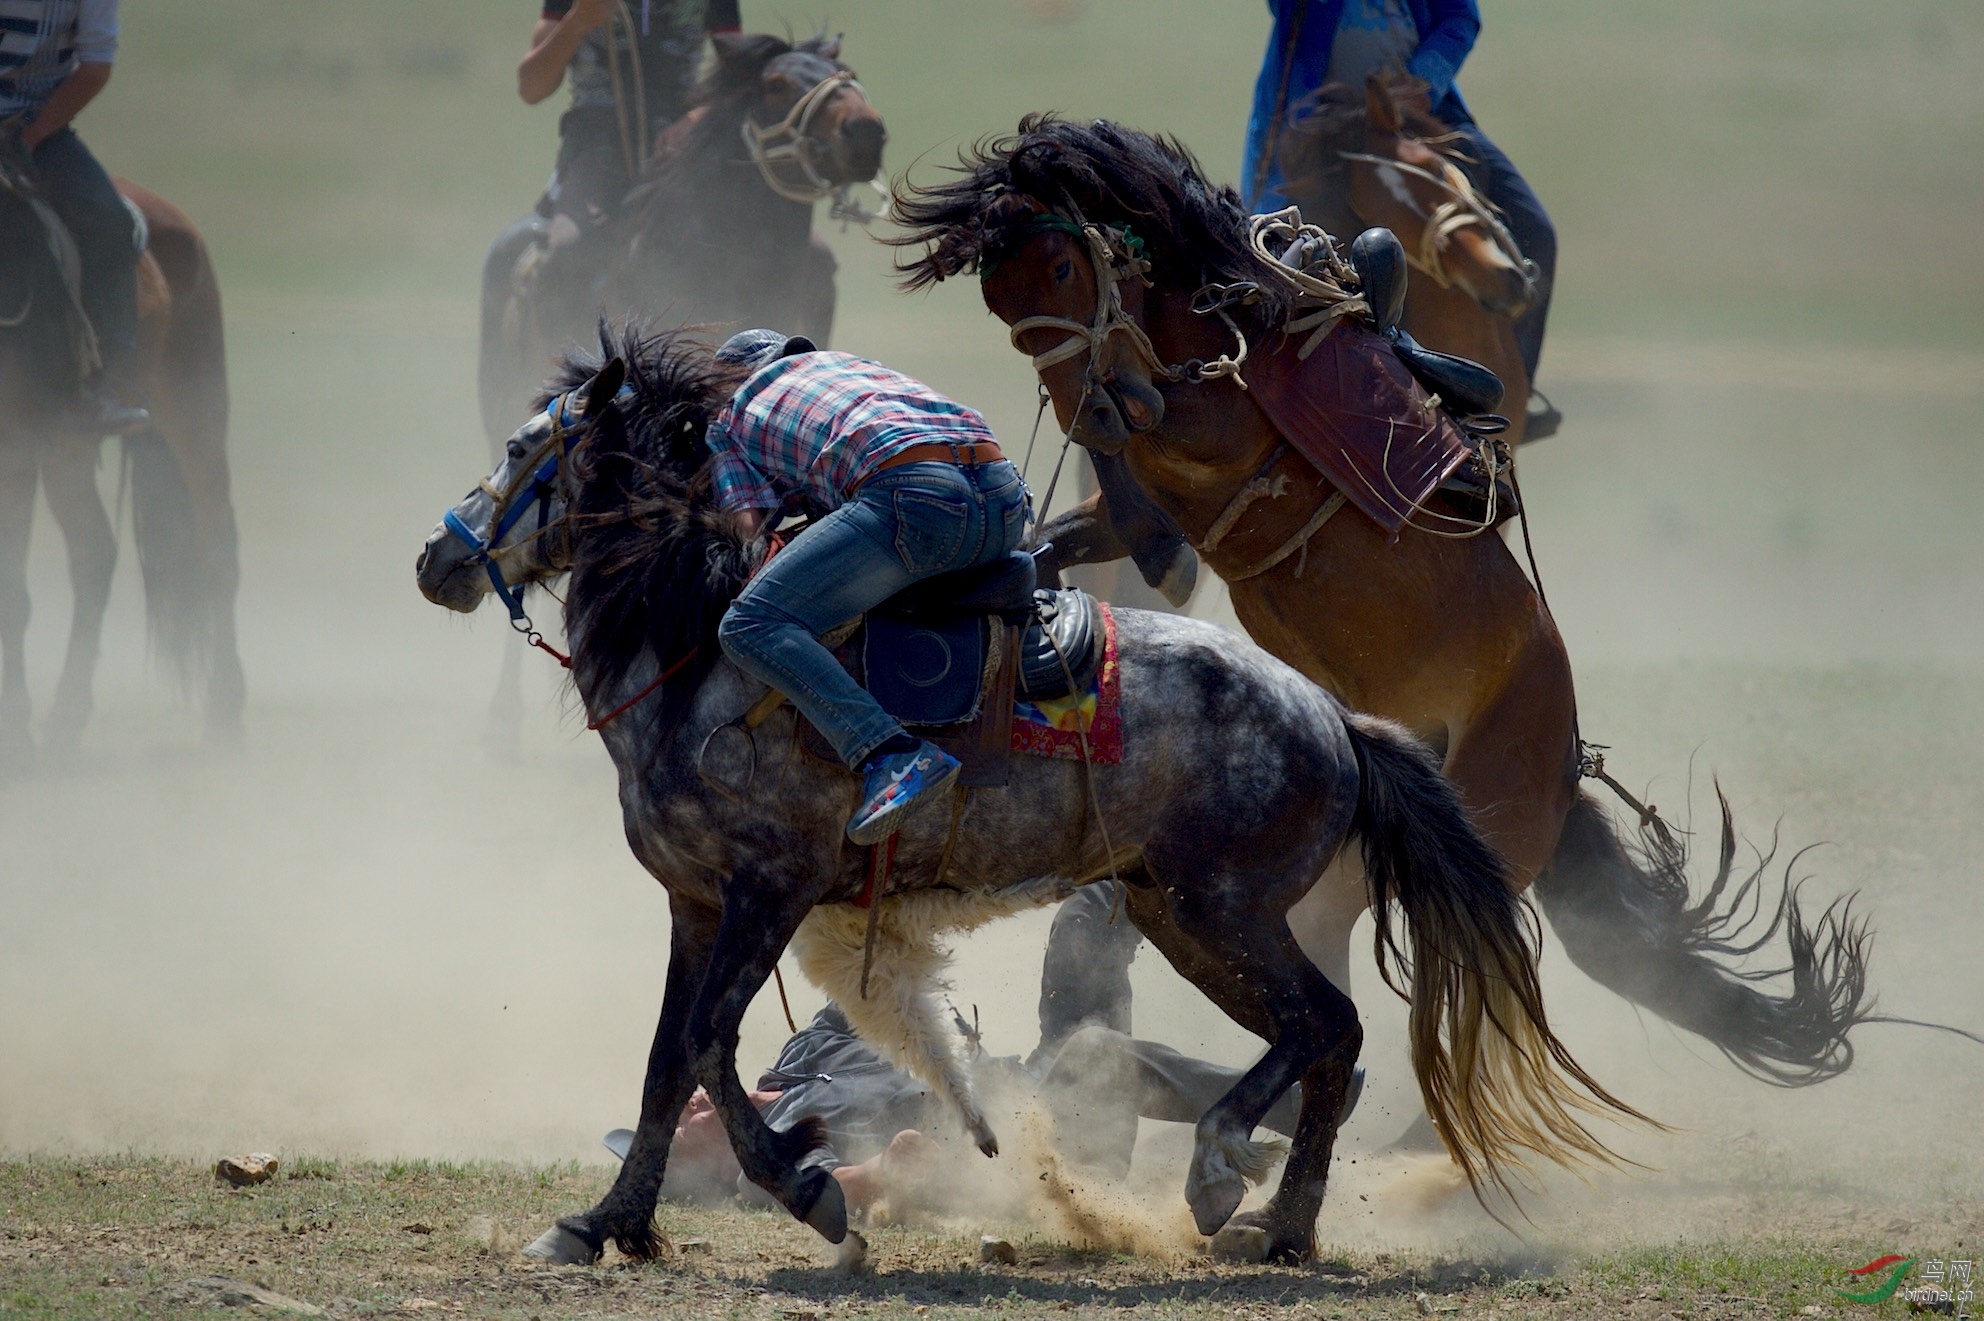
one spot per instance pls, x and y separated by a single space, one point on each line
1498 1084
1624 914
181 507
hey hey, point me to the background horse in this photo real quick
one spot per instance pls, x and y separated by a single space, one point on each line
177 470
720 230
748 837
1096 243
1358 159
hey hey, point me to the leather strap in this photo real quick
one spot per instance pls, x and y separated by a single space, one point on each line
968 454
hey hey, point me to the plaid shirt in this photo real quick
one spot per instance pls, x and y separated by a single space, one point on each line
806 430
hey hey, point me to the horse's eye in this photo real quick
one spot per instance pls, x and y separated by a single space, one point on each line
516 449
1062 270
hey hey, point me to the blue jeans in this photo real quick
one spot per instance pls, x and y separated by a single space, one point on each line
903 525
89 204
1497 176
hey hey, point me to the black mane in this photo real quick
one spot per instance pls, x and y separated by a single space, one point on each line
1194 231
655 563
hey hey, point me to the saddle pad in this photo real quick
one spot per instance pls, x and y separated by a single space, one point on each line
1352 409
1053 728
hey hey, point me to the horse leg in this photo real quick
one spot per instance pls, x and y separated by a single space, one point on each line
1245 958
69 476
759 917
1515 761
19 475
626 1213
1119 521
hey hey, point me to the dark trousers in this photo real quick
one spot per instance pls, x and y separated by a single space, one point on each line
1496 175
81 193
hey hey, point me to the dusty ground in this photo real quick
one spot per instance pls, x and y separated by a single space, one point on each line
364 935
147 1237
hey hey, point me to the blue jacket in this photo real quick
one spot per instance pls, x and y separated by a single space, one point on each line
1447 29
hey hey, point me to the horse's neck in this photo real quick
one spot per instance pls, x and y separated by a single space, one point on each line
716 191
1213 437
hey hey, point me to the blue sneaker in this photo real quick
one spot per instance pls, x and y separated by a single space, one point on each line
897 785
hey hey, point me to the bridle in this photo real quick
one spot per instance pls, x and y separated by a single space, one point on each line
1465 208
1116 255
787 152
540 477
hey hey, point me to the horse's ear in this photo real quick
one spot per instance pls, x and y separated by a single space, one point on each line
1379 105
729 46
601 389
829 47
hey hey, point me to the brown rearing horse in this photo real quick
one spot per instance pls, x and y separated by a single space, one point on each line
1092 242
182 512
1353 161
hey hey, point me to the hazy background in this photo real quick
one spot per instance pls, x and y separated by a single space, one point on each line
364 935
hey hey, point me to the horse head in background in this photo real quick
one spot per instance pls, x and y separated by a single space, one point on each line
1353 159
720 228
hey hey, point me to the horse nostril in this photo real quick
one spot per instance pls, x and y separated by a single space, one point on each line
864 134
420 561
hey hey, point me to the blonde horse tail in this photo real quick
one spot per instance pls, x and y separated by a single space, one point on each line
1498 1084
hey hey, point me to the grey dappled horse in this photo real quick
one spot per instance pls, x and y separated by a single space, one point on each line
1240 782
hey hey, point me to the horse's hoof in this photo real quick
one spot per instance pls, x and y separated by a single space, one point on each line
561 1247
827 1213
1247 1244
1213 1203
1180 576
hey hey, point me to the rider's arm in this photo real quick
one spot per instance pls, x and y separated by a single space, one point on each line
741 489
65 102
96 48
553 43
1444 41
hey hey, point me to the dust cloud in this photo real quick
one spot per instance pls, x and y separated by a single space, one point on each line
385 927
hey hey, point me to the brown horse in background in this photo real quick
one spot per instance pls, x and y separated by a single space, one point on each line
1350 162
1443 634
182 514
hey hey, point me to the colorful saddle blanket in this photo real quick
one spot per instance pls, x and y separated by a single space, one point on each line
1086 724
1352 409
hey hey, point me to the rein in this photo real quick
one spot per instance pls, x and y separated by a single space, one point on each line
787 149
1465 208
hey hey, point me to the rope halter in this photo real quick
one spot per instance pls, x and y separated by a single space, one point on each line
1116 255
785 153
1465 208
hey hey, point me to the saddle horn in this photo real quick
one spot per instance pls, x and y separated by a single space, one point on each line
1379 260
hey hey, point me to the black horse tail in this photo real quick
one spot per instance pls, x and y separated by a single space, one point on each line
1498 1084
1624 913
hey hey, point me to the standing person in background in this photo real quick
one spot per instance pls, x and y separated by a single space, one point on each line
633 65
55 57
1314 42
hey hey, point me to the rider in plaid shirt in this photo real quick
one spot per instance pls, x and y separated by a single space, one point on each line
903 484
830 418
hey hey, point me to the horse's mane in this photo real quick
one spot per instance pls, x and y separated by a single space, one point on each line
655 562
1194 231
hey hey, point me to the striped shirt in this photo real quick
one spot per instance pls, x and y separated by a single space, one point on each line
803 432
42 42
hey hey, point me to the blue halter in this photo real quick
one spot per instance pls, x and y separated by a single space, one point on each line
566 424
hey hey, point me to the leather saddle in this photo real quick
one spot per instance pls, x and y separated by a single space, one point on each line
948 655
1467 389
